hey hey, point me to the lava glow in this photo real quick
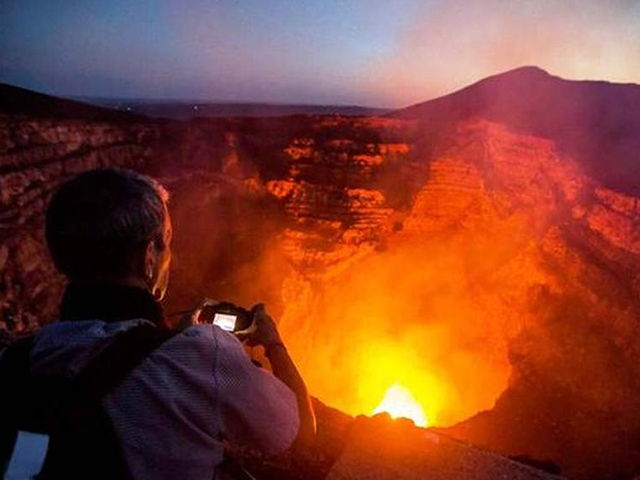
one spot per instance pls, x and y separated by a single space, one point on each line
410 316
399 403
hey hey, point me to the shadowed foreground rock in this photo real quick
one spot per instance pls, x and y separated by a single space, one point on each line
380 449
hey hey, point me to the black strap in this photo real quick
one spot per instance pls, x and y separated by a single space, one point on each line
14 364
84 443
116 362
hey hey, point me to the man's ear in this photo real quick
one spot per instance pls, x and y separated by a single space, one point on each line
150 260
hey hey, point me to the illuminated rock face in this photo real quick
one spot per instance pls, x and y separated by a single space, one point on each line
566 297
331 192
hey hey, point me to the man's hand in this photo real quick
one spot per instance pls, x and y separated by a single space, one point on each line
263 331
191 317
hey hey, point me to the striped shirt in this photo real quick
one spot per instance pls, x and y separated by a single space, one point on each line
171 412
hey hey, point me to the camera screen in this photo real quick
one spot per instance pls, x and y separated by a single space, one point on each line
225 322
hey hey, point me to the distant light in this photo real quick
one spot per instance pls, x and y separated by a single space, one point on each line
195 107
128 109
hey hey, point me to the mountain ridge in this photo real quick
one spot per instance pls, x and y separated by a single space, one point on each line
597 122
16 100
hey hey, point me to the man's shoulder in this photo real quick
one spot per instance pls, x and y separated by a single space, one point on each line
74 344
67 346
209 337
63 331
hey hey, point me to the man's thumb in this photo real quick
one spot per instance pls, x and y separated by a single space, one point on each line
258 309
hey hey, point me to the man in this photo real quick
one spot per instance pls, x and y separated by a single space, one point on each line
109 232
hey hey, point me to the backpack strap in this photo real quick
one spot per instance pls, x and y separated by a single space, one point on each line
83 443
109 369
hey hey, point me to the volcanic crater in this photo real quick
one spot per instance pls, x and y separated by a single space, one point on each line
479 251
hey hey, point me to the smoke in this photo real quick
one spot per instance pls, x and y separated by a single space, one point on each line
434 318
432 313
453 43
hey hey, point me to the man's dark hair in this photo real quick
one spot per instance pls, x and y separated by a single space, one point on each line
99 223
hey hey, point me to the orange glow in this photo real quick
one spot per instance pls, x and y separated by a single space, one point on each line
399 403
408 316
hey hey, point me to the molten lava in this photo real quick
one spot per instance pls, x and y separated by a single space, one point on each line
399 403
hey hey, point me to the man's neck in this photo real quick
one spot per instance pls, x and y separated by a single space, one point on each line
110 302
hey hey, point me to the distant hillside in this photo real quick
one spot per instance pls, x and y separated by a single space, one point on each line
20 101
596 122
186 110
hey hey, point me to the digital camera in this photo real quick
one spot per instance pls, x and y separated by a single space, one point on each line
227 316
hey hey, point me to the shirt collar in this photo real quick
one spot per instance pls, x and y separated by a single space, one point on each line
110 303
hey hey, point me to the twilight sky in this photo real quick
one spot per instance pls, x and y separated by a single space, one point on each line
371 52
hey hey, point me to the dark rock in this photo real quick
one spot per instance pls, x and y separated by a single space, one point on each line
380 449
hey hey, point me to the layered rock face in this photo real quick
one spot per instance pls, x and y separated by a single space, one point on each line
333 191
561 288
